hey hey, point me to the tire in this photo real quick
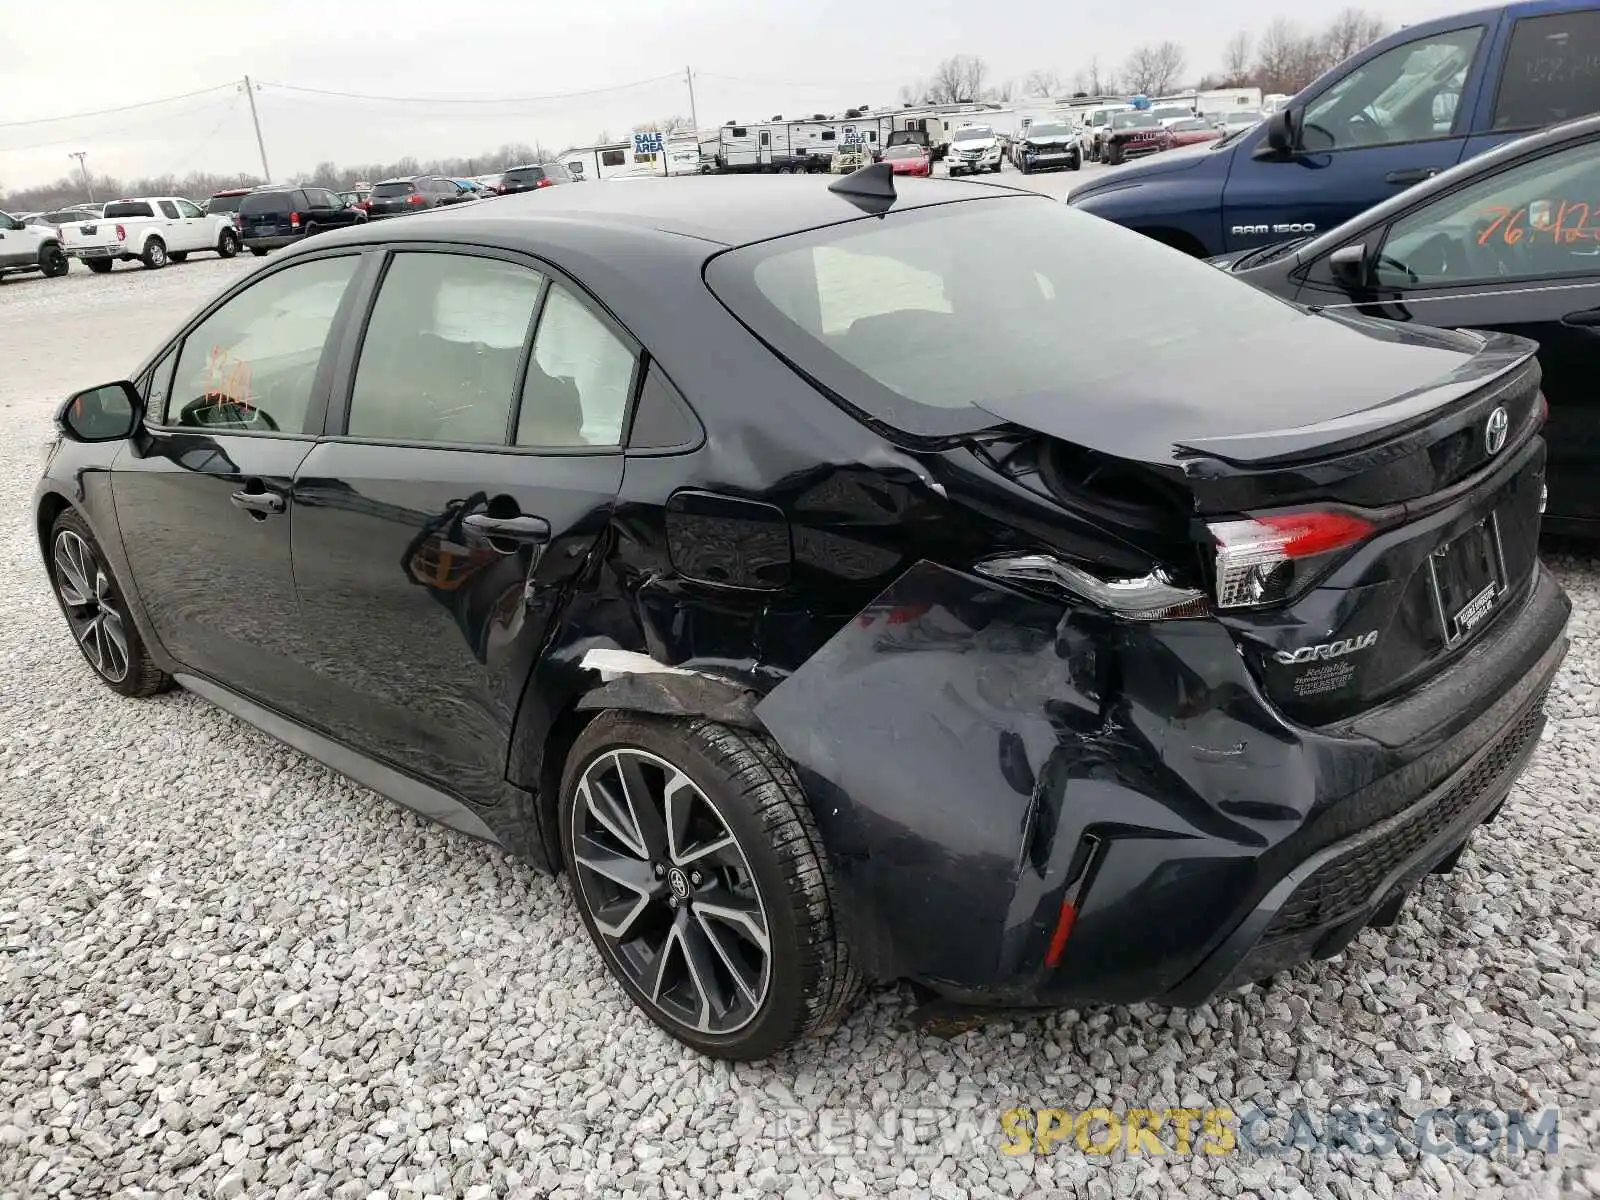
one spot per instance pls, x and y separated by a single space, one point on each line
53 264
100 266
227 244
258 251
91 599
743 796
1025 168
155 254
179 256
1075 162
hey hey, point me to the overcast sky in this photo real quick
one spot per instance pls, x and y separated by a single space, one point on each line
751 61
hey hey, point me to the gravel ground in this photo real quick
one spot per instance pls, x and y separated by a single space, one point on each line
227 971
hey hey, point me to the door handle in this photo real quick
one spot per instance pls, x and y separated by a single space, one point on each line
1588 318
1412 175
515 529
264 503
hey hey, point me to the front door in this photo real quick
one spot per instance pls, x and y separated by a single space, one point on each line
1516 251
203 494
196 229
1386 124
17 246
437 539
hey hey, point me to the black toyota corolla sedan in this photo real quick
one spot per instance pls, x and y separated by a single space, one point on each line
1510 241
761 555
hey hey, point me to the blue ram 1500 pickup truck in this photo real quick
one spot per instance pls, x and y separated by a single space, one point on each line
1405 108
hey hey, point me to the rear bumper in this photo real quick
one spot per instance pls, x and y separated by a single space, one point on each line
272 242
975 757
113 252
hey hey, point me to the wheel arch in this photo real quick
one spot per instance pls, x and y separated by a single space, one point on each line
51 505
1178 239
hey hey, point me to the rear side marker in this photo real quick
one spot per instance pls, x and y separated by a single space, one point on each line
1058 940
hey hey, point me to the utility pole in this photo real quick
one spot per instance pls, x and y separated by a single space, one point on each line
250 94
688 75
88 187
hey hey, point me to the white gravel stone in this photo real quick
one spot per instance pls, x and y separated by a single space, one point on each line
300 990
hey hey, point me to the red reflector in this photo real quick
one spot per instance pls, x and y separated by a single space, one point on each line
1306 534
1058 940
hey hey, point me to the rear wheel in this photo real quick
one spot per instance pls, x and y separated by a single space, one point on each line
698 871
258 251
180 256
228 244
53 263
100 266
155 254
92 601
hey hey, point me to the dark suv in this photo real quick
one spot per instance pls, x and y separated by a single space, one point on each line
396 197
273 217
531 178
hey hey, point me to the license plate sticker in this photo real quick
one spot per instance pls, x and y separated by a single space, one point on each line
1467 577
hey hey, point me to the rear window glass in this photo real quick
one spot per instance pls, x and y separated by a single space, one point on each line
1552 71
392 189
525 175
129 208
267 202
917 318
223 204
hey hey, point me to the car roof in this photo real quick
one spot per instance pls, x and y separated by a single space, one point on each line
731 210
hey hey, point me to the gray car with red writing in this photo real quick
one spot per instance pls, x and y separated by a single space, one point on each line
1509 240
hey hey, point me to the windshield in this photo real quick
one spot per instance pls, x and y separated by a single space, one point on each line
1044 131
1133 120
392 189
1189 125
1171 110
973 133
267 202
903 152
1243 116
523 175
223 204
916 318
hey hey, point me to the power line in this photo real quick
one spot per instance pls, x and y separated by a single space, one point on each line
103 133
101 112
201 144
618 87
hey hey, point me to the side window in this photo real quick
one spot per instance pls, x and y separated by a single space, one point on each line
168 209
579 381
252 364
1406 94
613 158
440 359
188 210
1538 219
9 222
1552 71
766 138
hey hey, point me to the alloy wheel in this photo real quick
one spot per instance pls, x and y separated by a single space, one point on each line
89 597
670 892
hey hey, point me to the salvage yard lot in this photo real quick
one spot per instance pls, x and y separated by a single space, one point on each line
228 971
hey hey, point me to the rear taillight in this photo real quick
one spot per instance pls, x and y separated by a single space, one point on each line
122 234
1270 558
545 182
294 220
364 205
413 199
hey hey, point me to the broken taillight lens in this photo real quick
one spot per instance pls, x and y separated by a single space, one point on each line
1266 559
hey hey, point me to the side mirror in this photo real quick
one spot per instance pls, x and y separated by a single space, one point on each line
107 413
1283 133
1349 265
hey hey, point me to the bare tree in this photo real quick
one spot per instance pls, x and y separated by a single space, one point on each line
1168 63
1139 72
1353 29
1100 80
1283 55
675 126
1003 92
1041 82
1236 60
958 79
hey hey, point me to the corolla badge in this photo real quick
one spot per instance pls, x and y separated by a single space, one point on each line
1327 650
1495 429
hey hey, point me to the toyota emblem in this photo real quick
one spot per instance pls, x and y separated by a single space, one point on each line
1494 430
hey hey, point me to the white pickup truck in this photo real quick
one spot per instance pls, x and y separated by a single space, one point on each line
154 230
